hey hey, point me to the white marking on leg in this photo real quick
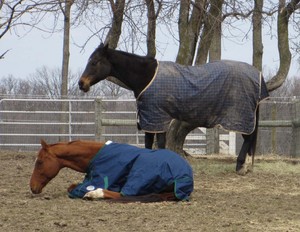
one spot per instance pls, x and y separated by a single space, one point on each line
95 194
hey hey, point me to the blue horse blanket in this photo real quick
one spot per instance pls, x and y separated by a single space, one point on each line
221 93
134 171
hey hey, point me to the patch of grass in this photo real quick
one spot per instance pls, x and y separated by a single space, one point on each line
212 167
279 167
217 166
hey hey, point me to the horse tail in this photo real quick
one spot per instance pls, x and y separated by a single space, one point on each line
148 198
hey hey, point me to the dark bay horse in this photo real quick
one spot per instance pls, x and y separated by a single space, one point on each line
115 171
221 93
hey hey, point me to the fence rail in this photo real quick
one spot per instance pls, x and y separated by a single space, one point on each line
23 122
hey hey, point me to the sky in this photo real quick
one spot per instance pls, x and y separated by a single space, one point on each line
35 50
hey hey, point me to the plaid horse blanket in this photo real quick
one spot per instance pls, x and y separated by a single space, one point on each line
221 93
134 171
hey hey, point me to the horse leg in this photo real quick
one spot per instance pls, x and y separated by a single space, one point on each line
149 138
240 163
71 187
248 147
111 195
167 197
161 140
100 193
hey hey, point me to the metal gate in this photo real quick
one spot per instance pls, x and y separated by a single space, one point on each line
24 122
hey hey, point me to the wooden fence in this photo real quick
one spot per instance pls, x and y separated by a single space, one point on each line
294 123
23 123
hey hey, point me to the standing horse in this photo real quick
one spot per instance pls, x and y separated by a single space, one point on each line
115 171
221 93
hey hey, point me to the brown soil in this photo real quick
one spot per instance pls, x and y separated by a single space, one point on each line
266 200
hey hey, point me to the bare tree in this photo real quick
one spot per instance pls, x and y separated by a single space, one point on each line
214 52
193 19
209 28
9 85
284 13
114 33
189 25
257 34
10 11
66 10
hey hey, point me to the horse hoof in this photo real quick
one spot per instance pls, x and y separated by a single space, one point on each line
250 169
244 170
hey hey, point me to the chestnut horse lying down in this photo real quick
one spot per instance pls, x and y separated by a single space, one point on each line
115 171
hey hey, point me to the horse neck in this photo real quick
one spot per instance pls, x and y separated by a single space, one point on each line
77 156
134 71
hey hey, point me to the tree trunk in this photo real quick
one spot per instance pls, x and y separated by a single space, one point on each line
284 13
188 35
151 29
66 47
215 50
213 134
257 35
257 44
115 31
189 25
176 136
65 65
209 29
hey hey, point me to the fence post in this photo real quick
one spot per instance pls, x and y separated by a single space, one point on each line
274 129
212 141
98 118
295 147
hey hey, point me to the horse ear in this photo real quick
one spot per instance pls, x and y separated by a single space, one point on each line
103 48
44 144
106 46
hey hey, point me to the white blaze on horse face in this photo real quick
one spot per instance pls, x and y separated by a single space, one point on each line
96 194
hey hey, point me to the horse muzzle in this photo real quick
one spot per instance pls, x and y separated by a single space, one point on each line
36 188
84 85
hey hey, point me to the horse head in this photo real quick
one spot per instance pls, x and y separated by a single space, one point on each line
45 169
98 68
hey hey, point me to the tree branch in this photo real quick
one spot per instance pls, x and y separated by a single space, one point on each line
2 56
10 18
284 13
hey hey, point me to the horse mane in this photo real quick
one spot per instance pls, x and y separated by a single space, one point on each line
71 143
141 60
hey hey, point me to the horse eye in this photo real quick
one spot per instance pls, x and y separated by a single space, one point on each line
94 62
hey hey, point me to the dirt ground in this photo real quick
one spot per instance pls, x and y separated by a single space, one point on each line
266 200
